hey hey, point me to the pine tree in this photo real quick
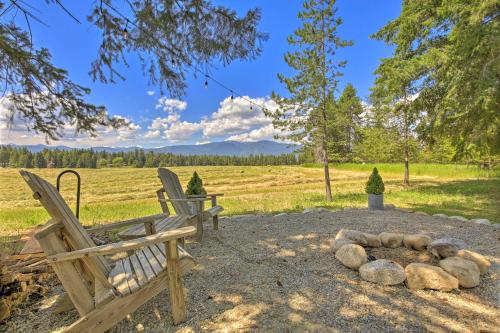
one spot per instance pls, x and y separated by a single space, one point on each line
195 186
303 115
350 109
344 123
445 62
375 184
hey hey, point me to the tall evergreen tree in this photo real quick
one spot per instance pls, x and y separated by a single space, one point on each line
303 115
447 56
346 123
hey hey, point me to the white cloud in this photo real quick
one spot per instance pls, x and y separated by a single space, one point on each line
159 123
264 133
180 131
239 119
170 105
150 92
152 134
15 130
171 126
238 116
202 142
129 132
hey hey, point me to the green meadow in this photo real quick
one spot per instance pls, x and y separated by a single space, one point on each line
114 194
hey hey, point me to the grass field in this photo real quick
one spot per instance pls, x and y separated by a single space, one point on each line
115 194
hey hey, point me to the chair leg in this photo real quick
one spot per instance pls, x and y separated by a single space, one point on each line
199 222
199 228
176 291
216 222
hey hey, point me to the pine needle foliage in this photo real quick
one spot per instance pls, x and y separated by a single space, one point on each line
195 186
375 184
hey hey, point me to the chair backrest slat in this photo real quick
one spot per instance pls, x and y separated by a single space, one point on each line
173 188
52 201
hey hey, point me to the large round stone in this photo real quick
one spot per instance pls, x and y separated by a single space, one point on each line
481 221
391 239
465 271
446 247
480 260
416 242
372 240
338 243
459 218
352 256
383 271
423 276
357 237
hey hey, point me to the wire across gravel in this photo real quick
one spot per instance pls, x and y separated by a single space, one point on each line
278 274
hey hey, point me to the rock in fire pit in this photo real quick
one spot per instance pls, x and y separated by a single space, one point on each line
462 267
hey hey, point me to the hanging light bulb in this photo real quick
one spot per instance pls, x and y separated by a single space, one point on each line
206 81
251 107
125 32
232 97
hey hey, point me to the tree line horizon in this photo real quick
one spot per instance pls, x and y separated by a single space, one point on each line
22 157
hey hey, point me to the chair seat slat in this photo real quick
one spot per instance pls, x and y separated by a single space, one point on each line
152 260
118 278
139 271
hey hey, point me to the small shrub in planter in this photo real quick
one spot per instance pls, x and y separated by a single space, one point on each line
375 189
195 187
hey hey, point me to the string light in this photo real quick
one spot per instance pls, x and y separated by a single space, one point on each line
125 32
207 77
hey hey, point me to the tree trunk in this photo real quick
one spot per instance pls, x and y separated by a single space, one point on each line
406 180
328 188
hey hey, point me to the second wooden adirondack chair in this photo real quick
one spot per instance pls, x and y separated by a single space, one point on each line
104 292
183 204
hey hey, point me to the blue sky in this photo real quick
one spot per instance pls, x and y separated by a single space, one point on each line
202 115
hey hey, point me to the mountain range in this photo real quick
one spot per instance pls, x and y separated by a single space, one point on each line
224 148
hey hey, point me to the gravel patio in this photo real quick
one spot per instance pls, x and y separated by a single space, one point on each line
262 273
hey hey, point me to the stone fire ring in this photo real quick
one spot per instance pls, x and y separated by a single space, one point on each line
458 266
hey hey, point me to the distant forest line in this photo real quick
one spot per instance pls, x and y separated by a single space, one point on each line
21 157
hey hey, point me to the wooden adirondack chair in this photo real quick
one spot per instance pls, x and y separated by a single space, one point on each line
104 292
180 201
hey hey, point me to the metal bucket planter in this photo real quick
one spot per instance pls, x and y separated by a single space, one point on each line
375 201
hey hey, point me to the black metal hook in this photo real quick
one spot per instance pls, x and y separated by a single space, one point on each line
77 188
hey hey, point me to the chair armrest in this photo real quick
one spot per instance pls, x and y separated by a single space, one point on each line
124 246
120 224
206 195
186 200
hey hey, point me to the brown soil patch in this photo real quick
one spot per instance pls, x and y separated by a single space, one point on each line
402 255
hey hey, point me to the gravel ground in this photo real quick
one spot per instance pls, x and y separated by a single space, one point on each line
278 274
